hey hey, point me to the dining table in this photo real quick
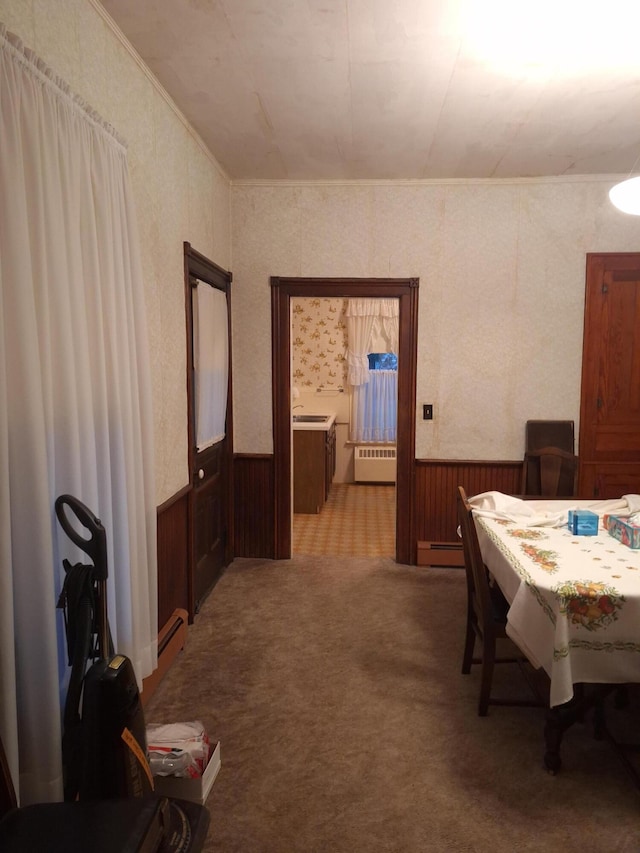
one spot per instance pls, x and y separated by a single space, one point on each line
574 600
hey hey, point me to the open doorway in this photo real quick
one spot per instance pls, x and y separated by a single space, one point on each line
406 291
344 368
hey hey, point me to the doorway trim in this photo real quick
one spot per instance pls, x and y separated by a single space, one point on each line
406 291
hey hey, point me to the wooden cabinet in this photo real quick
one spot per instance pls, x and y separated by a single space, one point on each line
314 464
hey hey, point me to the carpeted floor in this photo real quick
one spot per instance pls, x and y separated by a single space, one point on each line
334 687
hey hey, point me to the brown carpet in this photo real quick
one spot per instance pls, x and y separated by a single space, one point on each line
334 687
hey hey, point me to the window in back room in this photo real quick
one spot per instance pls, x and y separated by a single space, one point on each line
383 361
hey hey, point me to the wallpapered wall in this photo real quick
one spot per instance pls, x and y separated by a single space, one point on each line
181 193
501 269
318 343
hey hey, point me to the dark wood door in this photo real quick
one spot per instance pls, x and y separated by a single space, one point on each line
211 494
610 403
210 522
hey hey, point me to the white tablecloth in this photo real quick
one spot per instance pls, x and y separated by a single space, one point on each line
575 600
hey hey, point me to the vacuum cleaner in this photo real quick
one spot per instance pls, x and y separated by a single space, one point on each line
104 749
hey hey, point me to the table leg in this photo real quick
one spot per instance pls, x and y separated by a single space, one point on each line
559 719
553 732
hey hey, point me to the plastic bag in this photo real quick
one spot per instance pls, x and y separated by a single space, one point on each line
178 749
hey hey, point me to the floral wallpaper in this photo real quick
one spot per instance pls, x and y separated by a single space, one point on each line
319 342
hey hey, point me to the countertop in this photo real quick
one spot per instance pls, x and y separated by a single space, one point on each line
322 426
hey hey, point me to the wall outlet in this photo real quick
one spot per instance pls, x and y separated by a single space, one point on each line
427 411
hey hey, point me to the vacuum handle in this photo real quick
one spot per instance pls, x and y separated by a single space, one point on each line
95 545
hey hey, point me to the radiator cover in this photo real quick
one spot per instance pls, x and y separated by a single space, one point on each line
375 464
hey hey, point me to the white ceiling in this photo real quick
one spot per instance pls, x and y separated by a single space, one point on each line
399 89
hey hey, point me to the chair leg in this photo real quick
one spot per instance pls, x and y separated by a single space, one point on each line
488 661
469 643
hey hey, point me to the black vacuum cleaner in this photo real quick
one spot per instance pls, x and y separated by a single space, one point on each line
104 739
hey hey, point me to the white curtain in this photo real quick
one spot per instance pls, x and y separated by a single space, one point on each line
211 363
75 406
360 315
374 408
372 326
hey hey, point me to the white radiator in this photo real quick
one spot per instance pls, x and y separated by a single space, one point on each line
375 465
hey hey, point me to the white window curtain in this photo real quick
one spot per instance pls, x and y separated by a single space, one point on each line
374 408
211 364
75 405
360 315
372 326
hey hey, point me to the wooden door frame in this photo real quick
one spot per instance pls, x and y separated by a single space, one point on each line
199 266
406 291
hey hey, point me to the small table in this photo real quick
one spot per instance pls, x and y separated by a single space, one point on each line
575 606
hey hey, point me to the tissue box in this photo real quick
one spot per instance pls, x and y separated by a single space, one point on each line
583 522
620 529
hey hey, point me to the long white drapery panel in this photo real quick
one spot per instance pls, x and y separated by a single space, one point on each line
75 399
372 326
211 364
374 408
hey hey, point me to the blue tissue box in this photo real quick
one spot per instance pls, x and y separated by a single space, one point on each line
583 522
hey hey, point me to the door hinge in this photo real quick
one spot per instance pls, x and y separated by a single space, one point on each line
599 403
605 288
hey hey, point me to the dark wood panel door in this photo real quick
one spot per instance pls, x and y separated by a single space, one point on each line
211 494
210 519
610 401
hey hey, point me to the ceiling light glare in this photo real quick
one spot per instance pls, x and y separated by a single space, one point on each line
626 196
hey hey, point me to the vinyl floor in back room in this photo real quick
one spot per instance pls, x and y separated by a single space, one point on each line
356 521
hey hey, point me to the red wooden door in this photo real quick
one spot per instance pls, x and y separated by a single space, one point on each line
610 402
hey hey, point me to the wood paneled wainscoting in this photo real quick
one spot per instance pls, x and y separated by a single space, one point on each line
254 505
175 607
436 481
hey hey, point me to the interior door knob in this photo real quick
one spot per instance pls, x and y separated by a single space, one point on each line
201 474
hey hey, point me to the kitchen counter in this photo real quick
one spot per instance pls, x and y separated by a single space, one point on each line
328 420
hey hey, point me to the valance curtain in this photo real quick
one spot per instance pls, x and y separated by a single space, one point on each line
75 404
372 326
211 364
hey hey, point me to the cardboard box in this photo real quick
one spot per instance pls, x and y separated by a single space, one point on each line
583 522
185 788
620 529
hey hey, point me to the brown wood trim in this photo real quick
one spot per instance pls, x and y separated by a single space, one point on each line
406 291
173 555
253 475
435 492
166 505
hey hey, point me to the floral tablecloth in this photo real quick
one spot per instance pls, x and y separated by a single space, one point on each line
575 601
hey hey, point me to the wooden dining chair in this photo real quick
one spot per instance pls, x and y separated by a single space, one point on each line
486 616
550 472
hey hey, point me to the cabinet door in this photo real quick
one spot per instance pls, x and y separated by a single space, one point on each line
309 470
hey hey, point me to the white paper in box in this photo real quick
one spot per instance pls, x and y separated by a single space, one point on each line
185 788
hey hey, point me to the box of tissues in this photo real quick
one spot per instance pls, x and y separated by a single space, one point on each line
583 522
624 530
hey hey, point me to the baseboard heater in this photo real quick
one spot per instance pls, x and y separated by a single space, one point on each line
375 464
171 640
